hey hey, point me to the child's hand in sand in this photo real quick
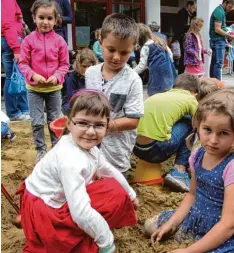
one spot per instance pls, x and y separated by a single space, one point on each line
166 230
136 203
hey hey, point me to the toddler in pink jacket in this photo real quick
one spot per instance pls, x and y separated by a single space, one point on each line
44 62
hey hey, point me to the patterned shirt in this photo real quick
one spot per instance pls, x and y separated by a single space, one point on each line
125 94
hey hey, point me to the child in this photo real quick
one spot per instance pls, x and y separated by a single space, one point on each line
6 132
97 47
66 206
155 56
175 48
194 49
44 61
207 212
121 85
207 86
165 125
75 80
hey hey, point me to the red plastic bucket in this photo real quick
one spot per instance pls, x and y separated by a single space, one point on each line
57 126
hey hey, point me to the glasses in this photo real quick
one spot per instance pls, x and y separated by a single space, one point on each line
85 125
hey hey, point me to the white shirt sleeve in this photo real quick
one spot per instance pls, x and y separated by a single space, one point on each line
4 118
142 65
170 54
107 170
87 218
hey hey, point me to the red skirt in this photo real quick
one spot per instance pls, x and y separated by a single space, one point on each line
52 230
198 70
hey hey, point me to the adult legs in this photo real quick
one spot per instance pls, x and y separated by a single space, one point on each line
181 66
217 60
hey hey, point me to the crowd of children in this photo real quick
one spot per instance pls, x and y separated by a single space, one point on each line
78 190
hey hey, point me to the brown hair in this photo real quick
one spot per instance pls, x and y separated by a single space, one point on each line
121 26
206 86
220 101
145 34
85 54
93 102
187 82
228 1
45 4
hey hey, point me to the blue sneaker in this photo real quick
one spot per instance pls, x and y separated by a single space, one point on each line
179 181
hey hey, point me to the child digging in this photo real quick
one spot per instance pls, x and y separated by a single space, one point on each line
166 124
74 196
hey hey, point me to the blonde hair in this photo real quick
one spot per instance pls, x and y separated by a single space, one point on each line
97 34
220 101
206 86
145 34
85 54
194 24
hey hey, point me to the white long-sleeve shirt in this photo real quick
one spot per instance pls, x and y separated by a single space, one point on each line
62 176
143 63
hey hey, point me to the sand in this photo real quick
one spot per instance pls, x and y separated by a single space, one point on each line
18 160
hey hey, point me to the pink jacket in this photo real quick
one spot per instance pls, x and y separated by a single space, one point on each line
44 54
11 24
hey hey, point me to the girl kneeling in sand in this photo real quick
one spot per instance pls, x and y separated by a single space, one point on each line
207 212
74 196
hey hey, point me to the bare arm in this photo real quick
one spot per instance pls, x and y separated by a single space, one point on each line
122 124
186 204
222 231
221 32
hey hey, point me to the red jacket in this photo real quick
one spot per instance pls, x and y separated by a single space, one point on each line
44 54
11 24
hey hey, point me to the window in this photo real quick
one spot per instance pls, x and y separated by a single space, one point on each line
129 10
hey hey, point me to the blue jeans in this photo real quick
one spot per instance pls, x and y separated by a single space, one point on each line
4 129
217 59
160 151
15 105
36 102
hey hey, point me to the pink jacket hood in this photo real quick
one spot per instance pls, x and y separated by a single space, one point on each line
44 54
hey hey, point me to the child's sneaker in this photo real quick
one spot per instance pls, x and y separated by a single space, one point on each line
40 154
19 118
10 135
179 181
27 117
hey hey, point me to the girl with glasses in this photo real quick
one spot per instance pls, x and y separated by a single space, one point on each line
74 197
